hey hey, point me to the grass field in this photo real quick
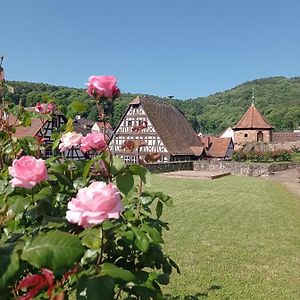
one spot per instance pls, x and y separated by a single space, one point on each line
233 238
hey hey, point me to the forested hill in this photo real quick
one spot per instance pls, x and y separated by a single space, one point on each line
278 98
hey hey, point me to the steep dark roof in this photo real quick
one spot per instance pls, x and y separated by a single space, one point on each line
172 126
252 119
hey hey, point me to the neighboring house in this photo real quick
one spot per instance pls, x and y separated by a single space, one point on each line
99 127
40 128
84 123
163 128
252 127
228 133
218 148
43 128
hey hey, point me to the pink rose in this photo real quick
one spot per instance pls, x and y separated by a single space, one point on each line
69 140
103 86
27 172
44 108
94 204
93 141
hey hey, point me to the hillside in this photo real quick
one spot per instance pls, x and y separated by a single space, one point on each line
278 98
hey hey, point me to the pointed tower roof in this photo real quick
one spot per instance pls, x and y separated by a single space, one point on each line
252 119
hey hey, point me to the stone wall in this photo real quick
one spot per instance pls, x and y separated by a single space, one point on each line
285 146
233 167
241 168
170 167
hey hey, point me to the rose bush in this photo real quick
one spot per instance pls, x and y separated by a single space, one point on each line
80 229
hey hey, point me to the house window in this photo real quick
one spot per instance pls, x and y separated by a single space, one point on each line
129 123
246 135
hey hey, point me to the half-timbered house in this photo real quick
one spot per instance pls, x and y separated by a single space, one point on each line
161 127
42 128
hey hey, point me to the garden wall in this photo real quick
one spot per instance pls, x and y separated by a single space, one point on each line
285 146
241 168
170 167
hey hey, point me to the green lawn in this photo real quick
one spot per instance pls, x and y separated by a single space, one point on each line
233 238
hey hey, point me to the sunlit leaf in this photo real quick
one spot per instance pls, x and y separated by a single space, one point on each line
95 288
141 239
116 272
9 262
54 250
125 183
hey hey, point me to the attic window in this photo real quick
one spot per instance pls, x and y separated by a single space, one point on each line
129 123
246 135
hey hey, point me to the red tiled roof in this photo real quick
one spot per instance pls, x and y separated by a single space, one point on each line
216 147
252 119
32 130
281 137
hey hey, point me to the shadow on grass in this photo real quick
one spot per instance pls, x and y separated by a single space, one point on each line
200 295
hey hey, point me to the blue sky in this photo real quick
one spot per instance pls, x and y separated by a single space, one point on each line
186 48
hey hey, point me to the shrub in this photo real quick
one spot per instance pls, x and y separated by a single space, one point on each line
87 228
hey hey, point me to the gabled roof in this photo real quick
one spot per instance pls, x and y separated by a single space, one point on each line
252 119
216 147
171 125
32 130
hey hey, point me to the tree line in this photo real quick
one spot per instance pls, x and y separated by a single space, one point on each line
277 98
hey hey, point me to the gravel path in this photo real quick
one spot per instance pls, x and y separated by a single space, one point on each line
289 178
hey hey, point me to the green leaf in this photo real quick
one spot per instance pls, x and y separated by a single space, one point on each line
18 204
55 144
117 165
69 125
10 89
3 184
79 183
54 250
125 183
78 107
159 209
116 272
163 279
167 200
45 193
9 262
146 198
63 179
153 233
142 172
91 238
87 168
95 288
141 240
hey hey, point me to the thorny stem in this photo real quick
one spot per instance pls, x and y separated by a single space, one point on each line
32 197
100 257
